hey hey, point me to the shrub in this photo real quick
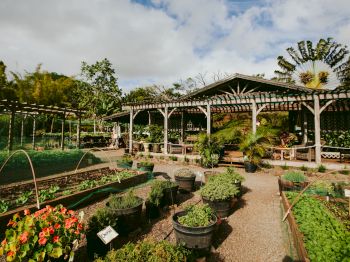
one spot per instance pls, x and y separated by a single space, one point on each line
197 216
48 233
303 168
216 190
102 218
173 158
326 238
294 176
285 167
122 202
156 193
148 250
321 168
230 176
146 163
322 188
345 171
184 172
126 159
209 149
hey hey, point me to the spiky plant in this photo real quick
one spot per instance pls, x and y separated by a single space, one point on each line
254 147
326 65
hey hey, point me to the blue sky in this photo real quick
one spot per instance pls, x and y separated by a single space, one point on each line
164 41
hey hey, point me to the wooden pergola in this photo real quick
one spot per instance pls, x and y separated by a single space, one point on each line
16 107
257 95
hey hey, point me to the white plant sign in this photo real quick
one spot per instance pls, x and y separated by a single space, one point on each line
107 234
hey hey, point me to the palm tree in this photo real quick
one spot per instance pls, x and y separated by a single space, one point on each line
326 65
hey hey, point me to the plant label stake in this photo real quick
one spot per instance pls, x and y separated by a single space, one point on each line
347 194
107 234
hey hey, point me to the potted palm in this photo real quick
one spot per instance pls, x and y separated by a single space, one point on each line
185 178
253 147
195 226
209 148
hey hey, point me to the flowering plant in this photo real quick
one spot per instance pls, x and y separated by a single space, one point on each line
47 234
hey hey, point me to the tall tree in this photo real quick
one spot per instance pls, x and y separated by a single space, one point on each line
6 87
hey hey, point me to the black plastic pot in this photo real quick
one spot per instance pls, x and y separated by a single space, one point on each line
186 184
152 211
148 168
250 167
223 208
193 237
95 246
128 218
170 196
124 164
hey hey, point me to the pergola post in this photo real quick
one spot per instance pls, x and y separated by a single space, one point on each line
166 130
22 130
11 129
208 120
304 126
131 130
34 126
78 132
254 114
317 129
62 131
182 127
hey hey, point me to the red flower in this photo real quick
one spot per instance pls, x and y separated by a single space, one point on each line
10 223
77 232
57 226
56 239
42 241
63 210
80 226
71 212
42 234
51 230
10 253
23 238
26 212
4 242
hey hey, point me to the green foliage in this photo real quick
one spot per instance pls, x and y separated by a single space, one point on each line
48 194
345 171
197 216
215 190
184 172
87 184
209 149
4 206
337 138
155 134
148 250
321 169
146 163
230 132
122 202
322 188
126 159
157 191
326 238
102 218
229 176
253 147
285 167
67 192
303 168
294 176
173 158
23 198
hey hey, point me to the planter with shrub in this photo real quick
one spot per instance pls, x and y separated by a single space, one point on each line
127 209
230 176
293 180
209 174
154 200
149 250
209 148
101 219
185 179
145 166
169 192
195 227
219 195
125 162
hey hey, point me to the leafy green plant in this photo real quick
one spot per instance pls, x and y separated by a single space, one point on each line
253 147
321 168
173 158
122 202
48 194
126 159
87 184
186 159
209 149
285 167
156 193
23 198
345 171
325 237
102 218
67 192
322 188
184 172
294 176
197 216
216 190
149 250
4 206
146 163
303 168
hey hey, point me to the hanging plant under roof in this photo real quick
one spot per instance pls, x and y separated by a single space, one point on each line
324 66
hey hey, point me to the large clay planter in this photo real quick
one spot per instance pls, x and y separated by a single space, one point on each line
223 208
186 184
194 237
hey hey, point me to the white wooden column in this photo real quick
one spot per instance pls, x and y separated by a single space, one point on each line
304 126
317 114
34 126
208 120
254 114
131 130
166 130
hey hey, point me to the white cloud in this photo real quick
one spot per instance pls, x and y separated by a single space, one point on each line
161 45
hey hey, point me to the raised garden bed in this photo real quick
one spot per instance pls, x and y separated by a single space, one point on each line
100 186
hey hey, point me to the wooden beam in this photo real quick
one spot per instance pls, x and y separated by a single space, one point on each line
309 107
325 106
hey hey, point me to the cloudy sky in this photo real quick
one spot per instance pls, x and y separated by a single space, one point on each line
163 41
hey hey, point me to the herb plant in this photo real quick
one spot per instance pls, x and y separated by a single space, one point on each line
216 190
87 184
197 216
156 193
184 172
146 163
127 201
294 176
322 188
48 194
321 168
23 198
230 176
4 206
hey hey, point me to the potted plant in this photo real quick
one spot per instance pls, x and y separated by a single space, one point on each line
218 194
230 176
51 233
209 148
169 192
195 226
185 178
101 219
127 209
145 166
149 250
253 147
209 174
125 162
293 180
155 137
154 200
